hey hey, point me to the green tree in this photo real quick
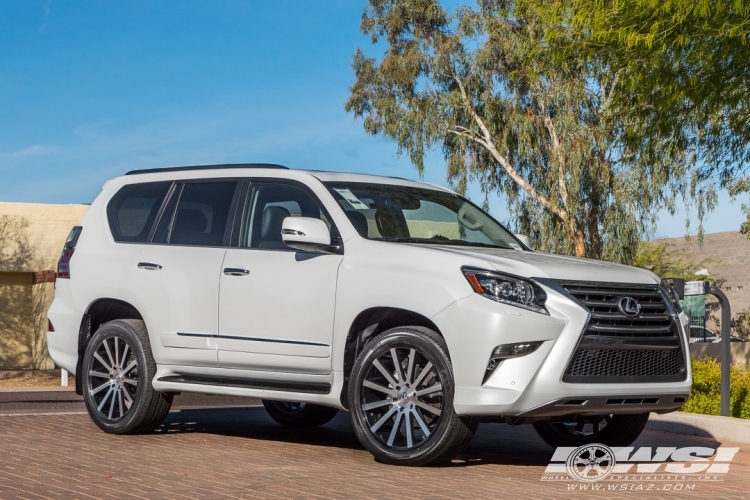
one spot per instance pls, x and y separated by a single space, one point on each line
486 85
669 263
683 67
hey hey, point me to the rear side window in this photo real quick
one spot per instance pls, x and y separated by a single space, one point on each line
131 212
202 215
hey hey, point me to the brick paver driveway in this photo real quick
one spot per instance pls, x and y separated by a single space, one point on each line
241 452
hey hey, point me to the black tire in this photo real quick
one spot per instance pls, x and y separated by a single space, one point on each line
132 406
619 430
299 414
401 429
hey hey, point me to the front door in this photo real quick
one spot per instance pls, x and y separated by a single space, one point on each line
175 280
276 304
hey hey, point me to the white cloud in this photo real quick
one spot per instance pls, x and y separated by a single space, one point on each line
34 150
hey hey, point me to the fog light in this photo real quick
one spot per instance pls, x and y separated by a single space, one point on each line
505 351
514 350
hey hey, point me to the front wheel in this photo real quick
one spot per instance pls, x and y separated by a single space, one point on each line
294 414
117 370
401 397
611 430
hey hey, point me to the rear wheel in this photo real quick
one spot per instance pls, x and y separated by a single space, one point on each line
401 396
117 370
299 414
611 430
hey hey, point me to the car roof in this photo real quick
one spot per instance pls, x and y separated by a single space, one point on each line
236 169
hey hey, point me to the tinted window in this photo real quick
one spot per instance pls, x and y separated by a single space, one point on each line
131 212
270 204
202 214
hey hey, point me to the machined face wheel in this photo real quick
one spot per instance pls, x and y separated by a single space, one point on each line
113 378
402 398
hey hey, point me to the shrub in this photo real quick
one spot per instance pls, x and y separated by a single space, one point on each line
706 395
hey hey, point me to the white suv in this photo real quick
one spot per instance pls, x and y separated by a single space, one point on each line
317 291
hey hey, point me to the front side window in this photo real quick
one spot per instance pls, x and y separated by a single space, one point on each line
131 212
271 203
417 215
201 217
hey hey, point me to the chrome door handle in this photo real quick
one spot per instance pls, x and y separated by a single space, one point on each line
148 266
233 271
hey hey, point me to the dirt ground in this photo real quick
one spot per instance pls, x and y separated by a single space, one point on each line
31 378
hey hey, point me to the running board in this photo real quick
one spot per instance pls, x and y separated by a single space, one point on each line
270 385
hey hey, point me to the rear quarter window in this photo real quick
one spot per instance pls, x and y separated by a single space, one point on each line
131 212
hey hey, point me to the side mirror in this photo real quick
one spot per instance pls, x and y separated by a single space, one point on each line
524 239
308 234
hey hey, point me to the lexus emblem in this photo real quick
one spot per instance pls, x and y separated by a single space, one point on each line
629 306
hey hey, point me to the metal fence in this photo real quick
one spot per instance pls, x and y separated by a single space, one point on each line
698 330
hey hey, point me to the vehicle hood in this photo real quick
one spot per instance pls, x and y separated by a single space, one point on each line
559 267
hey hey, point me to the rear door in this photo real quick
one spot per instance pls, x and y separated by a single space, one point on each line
175 281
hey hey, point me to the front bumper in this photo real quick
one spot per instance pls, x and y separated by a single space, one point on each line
475 325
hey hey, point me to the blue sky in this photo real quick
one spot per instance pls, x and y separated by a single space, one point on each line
92 89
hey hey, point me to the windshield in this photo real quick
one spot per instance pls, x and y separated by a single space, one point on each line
416 215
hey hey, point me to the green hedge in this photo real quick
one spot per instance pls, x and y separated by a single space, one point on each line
706 396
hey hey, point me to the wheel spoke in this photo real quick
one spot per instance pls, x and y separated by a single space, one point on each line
423 374
396 426
92 373
429 390
109 354
383 420
385 373
101 388
421 423
101 360
117 351
113 401
128 399
427 407
376 404
407 423
125 353
132 365
104 399
130 381
397 365
119 401
410 367
379 388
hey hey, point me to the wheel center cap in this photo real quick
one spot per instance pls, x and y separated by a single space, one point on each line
405 397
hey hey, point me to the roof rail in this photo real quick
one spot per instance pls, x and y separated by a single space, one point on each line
206 167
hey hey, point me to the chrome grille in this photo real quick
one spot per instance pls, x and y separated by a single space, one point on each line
606 318
617 348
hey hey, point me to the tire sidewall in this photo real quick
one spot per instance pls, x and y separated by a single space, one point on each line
373 350
133 417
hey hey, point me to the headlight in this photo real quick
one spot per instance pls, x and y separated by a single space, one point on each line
509 290
670 292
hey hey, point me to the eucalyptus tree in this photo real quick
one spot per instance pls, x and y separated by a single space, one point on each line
683 67
486 87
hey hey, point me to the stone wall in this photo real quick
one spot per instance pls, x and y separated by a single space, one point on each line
732 250
26 291
48 227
